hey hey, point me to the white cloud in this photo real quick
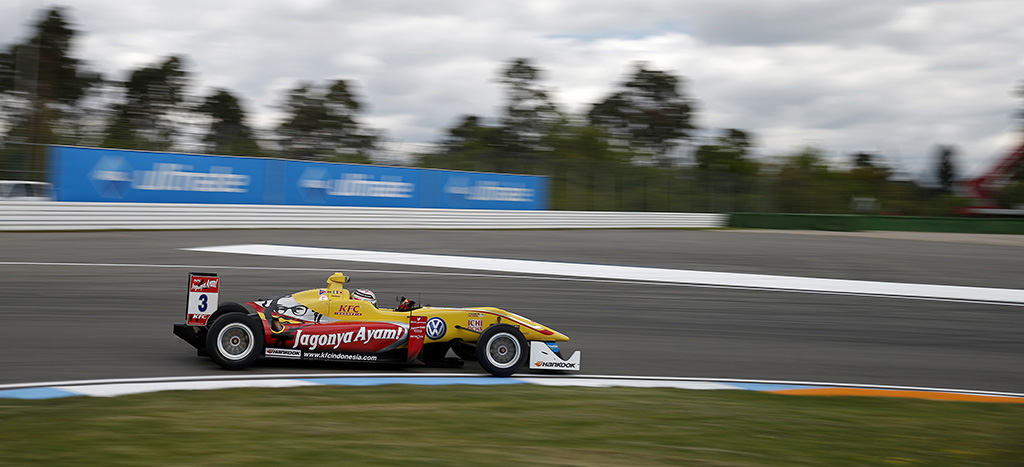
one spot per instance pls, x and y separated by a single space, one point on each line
894 77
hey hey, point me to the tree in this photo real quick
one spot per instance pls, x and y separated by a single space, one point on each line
946 171
863 160
649 114
869 172
521 139
805 184
1019 92
145 119
586 172
725 172
227 133
529 116
728 153
44 84
321 124
866 184
1012 195
574 139
470 145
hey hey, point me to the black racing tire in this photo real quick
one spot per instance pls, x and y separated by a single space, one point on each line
502 350
464 350
235 341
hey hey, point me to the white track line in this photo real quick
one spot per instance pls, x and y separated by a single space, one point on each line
208 267
644 274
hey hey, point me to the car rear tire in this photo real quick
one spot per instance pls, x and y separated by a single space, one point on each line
502 350
235 341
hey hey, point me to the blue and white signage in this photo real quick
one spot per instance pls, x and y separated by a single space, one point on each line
489 191
82 174
87 174
351 185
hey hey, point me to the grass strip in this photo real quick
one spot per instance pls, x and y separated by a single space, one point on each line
469 425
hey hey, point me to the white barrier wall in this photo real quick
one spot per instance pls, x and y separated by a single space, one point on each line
35 216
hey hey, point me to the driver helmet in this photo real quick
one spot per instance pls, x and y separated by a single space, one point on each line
364 294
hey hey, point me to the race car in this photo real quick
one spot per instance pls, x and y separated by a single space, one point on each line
333 323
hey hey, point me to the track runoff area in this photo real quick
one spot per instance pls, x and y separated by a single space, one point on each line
564 271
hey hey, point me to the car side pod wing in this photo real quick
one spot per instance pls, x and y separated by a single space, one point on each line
417 332
543 358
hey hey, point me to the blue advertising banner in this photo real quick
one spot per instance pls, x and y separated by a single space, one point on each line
326 184
84 174
88 174
473 190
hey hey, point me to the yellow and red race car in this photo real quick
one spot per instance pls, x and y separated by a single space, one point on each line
333 323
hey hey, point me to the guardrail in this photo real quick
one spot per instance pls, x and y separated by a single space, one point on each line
855 223
39 216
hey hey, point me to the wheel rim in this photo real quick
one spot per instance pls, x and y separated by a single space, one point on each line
235 341
503 350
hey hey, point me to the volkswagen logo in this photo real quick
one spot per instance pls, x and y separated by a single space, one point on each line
436 328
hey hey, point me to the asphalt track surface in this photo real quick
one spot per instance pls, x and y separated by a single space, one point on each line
108 313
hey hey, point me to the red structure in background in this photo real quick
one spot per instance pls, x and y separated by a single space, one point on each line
984 189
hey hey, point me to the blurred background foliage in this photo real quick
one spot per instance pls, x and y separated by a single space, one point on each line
636 149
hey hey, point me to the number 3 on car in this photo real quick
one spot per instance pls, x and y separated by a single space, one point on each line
203 292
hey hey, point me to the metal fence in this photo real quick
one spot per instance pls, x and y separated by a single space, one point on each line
38 216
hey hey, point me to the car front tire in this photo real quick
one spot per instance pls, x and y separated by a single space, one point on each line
502 350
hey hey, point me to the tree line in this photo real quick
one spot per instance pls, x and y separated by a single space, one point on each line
638 148
52 97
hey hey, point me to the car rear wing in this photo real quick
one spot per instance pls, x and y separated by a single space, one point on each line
203 293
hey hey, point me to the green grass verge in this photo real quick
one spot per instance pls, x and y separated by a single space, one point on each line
469 425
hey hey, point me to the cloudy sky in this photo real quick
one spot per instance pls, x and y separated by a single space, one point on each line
893 77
